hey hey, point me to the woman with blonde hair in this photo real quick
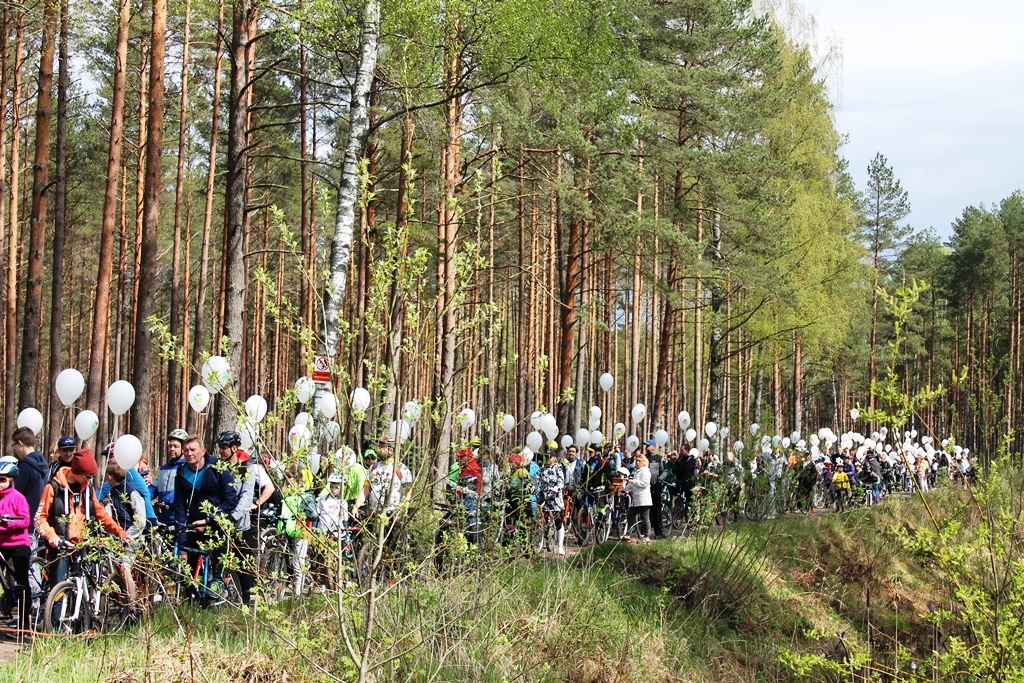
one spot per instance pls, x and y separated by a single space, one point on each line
641 501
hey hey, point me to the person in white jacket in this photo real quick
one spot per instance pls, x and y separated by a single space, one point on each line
641 501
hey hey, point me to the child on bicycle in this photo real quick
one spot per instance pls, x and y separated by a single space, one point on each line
15 544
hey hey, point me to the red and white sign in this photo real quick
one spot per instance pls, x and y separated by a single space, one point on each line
322 369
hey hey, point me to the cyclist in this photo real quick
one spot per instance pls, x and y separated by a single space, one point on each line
551 481
166 474
128 507
202 492
137 480
685 470
68 505
32 469
247 475
520 494
659 471
15 543
66 446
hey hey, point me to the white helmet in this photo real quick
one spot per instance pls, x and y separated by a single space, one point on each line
335 478
623 471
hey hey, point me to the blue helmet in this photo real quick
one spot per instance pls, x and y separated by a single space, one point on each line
8 466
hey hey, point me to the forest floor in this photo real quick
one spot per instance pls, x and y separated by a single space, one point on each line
790 599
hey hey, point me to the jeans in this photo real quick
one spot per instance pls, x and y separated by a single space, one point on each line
643 514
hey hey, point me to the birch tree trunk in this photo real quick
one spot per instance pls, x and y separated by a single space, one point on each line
348 187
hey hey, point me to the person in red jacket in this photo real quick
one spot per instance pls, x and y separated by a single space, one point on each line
15 545
69 504
471 468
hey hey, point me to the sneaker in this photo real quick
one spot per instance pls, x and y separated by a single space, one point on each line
645 539
627 539
561 551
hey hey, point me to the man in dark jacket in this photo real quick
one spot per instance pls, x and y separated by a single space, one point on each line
32 470
658 472
203 490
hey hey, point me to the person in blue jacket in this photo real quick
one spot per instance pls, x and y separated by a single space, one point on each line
203 491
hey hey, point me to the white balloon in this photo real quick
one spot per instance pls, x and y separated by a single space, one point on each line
467 418
256 408
249 431
632 442
127 451
535 419
332 430
314 462
304 389
534 441
710 428
691 434
724 433
794 437
786 442
299 437
527 454
567 441
596 438
508 422
814 439
582 437
913 433
738 446
120 397
595 412
327 404
801 444
754 429
703 444
619 430
777 441
412 412
549 425
86 424
198 398
303 418
399 430
684 420
606 381
216 374
661 437
595 423
639 412
70 384
360 400
854 414
31 418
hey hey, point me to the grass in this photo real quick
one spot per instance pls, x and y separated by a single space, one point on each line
761 602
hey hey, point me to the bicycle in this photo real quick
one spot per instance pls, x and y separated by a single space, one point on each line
94 594
205 586
588 523
10 595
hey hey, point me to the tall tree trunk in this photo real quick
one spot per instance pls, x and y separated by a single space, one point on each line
211 177
348 187
393 355
11 293
59 221
567 322
447 240
173 369
30 395
142 372
101 309
236 199
717 348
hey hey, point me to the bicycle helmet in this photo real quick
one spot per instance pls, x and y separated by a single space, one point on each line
178 435
8 466
623 471
335 478
229 439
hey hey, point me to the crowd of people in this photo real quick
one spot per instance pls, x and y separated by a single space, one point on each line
51 504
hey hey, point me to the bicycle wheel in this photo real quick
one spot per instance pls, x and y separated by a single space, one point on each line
114 604
226 591
666 517
275 573
66 610
583 525
678 513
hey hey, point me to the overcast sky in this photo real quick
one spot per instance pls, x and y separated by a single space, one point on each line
936 86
